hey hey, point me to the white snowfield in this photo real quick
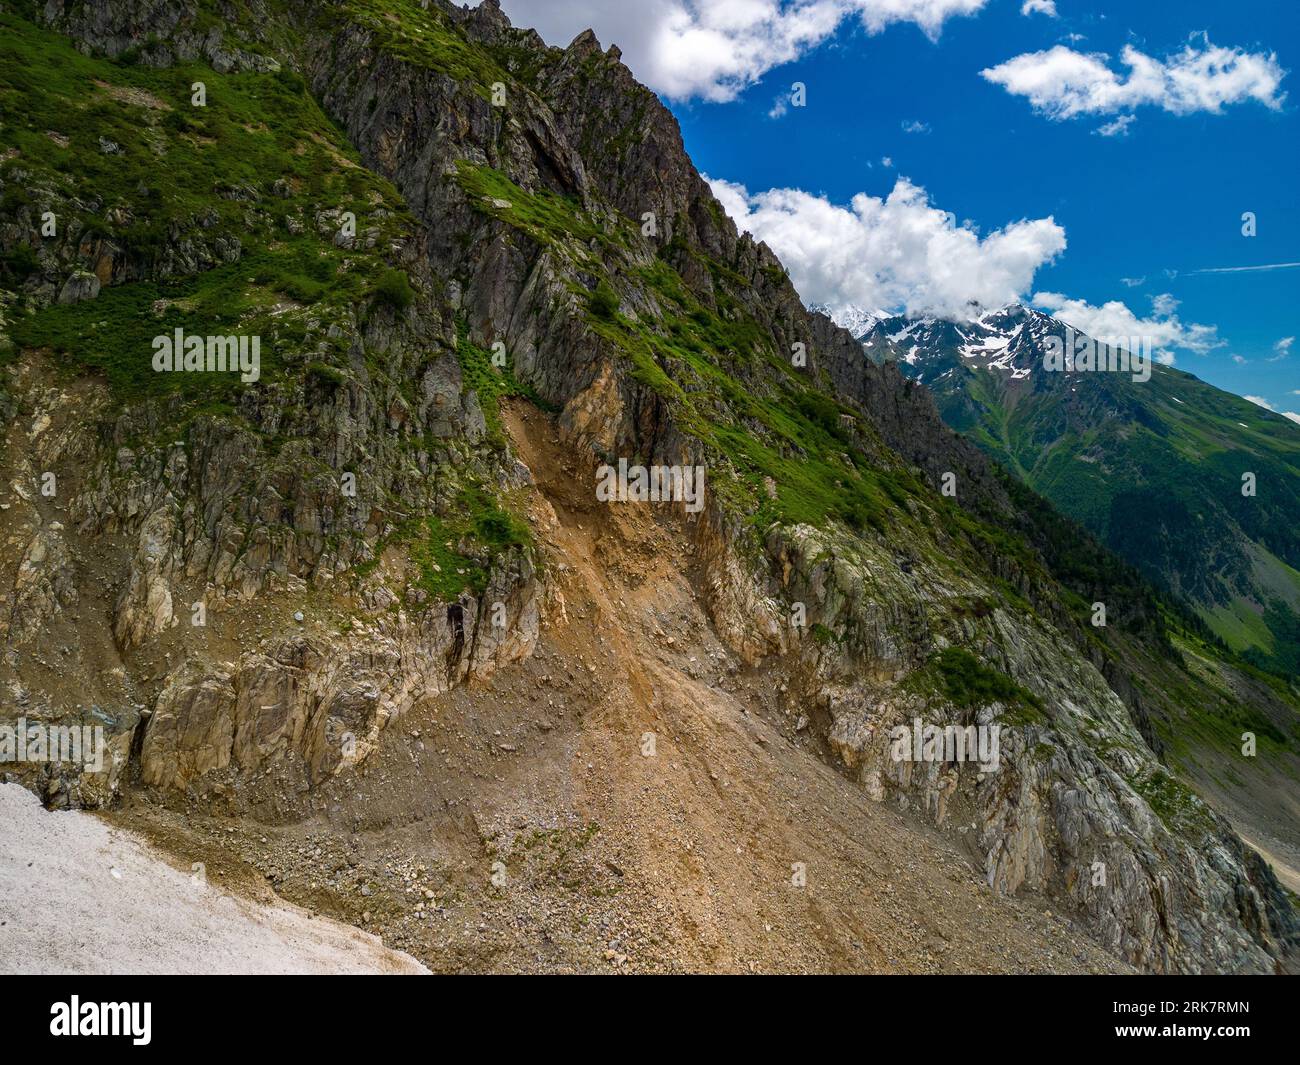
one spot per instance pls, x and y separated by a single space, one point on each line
77 896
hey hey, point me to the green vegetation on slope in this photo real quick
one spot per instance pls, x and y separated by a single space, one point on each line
260 167
783 451
120 153
1155 470
965 681
490 382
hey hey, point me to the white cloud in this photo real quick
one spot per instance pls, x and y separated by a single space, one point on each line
1133 282
1292 415
916 127
1240 360
1163 305
1119 127
901 253
1062 83
1283 349
896 253
1259 401
713 49
1041 7
1114 319
887 162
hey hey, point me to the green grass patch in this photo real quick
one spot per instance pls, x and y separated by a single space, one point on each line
453 552
965 681
547 217
491 382
426 37
1174 803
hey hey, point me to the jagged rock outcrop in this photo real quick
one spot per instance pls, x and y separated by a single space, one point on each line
245 509
309 706
160 33
1072 807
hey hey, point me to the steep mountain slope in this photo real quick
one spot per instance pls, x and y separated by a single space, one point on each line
397 568
1153 466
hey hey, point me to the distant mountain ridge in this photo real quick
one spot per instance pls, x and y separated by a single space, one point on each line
1154 467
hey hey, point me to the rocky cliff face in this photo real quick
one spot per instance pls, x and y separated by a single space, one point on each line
526 222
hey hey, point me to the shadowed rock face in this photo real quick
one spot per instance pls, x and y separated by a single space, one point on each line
518 214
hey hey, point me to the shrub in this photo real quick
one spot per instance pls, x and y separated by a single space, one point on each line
395 290
967 682
18 265
604 302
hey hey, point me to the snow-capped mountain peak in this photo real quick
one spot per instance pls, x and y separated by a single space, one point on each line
857 320
1008 339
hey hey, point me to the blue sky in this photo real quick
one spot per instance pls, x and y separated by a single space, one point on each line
1111 176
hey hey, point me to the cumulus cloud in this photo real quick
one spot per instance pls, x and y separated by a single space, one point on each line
895 253
1282 348
901 253
713 49
1062 83
1040 7
1114 319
